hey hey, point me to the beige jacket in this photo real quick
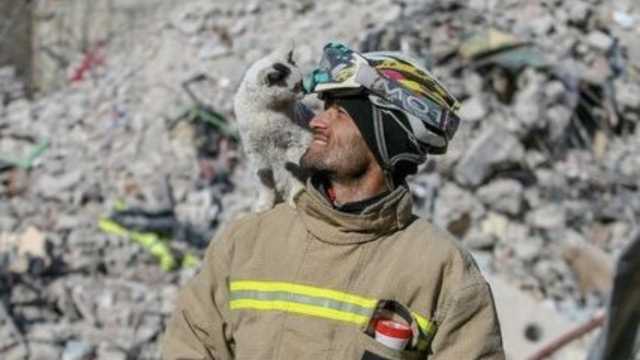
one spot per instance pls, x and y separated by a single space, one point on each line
306 283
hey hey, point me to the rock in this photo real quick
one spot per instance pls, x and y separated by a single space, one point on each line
492 148
551 216
528 250
555 91
559 117
495 225
599 41
484 242
55 187
542 25
578 12
455 208
503 195
78 350
44 351
7 223
527 100
473 109
625 94
211 50
108 351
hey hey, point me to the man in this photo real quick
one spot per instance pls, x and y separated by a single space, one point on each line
329 278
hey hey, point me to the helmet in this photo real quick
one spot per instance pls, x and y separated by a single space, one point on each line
392 81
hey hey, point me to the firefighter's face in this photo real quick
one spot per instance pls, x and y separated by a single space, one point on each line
338 148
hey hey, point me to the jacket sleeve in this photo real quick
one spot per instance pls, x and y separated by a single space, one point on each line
470 327
199 327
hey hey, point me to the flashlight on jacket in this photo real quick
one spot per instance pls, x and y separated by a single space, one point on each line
392 334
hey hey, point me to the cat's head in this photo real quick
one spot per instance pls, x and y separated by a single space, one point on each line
276 78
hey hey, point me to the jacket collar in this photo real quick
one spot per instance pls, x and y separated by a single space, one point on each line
391 213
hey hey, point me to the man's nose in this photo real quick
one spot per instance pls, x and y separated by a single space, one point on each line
320 121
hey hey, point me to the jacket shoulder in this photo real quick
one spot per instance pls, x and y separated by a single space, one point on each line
446 252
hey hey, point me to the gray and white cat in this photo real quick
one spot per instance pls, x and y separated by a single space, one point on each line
273 126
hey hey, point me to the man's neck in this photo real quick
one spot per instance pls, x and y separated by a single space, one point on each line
348 190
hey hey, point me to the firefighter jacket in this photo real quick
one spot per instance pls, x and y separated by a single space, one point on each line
309 283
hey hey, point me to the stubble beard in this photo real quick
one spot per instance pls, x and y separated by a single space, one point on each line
345 161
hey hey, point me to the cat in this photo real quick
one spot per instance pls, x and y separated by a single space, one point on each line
274 126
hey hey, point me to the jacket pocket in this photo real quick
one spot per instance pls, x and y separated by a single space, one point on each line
368 348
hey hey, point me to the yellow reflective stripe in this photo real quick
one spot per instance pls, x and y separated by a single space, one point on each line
426 325
303 309
302 290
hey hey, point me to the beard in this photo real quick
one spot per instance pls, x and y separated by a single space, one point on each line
345 159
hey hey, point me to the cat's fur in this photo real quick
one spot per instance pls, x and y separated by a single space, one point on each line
273 126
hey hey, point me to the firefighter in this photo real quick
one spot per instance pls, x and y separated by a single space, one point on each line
349 272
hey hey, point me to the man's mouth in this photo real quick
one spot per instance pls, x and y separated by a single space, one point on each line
320 139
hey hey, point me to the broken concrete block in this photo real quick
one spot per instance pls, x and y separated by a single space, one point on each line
503 195
492 148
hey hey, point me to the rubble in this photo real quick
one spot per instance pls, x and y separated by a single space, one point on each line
548 156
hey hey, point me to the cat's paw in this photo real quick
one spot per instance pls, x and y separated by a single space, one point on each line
266 200
262 206
295 192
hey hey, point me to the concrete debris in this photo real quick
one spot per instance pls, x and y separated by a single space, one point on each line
505 195
494 147
541 180
599 41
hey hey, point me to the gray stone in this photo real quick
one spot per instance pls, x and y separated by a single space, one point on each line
54 186
551 216
542 25
503 195
626 94
559 117
455 208
78 350
534 159
528 99
529 249
18 351
473 109
578 11
44 351
107 351
7 223
555 91
599 40
493 147
550 179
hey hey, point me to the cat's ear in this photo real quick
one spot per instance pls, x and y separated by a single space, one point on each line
286 51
